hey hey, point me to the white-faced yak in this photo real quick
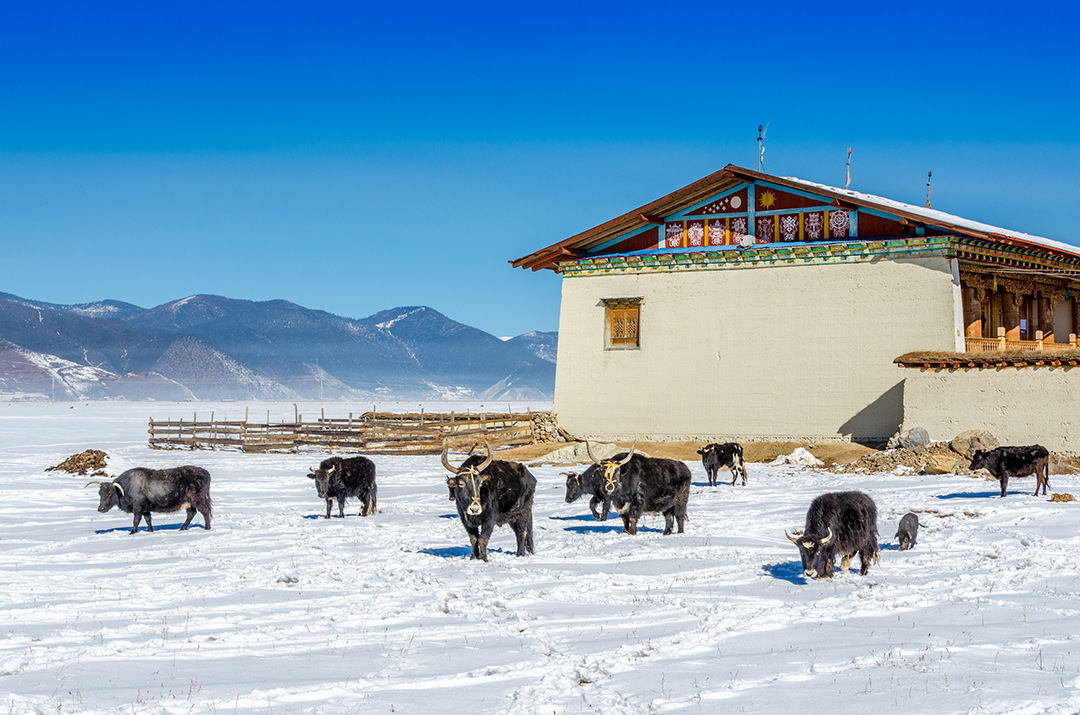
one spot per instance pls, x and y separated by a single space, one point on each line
140 491
489 493
715 457
838 524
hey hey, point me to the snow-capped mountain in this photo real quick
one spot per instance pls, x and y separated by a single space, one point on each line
224 348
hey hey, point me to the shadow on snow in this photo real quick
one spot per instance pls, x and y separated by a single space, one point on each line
977 495
790 571
157 527
459 552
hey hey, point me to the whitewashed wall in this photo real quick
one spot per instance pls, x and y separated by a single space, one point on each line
799 352
1033 405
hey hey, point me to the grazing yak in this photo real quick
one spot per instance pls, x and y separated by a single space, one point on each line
1006 462
715 457
489 493
641 485
908 531
338 478
838 524
140 491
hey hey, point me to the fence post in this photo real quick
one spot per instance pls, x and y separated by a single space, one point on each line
1039 339
1001 339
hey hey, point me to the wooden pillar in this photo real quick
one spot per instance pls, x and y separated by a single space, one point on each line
973 327
1075 316
1046 319
1011 315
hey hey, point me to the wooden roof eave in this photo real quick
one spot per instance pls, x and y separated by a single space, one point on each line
653 212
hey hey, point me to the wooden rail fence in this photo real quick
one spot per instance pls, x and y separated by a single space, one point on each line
371 432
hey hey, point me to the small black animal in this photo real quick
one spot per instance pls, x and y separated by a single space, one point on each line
838 524
340 478
1006 462
717 456
140 491
907 531
490 493
645 485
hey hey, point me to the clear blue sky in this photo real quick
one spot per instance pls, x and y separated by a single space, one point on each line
353 157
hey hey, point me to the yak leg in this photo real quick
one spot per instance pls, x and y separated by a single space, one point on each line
135 526
592 507
341 507
149 525
712 477
190 516
735 475
845 563
485 534
522 527
329 505
206 518
474 540
867 554
669 521
1004 484
742 466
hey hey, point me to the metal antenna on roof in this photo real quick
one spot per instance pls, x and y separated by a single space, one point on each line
848 182
761 132
929 187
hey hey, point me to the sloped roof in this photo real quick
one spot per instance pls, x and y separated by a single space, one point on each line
731 176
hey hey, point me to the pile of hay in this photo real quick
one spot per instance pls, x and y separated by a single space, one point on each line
83 463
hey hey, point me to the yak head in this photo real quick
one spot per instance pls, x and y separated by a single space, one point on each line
612 468
322 479
814 560
109 494
980 460
468 479
574 488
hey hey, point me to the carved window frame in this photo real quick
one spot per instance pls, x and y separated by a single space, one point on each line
622 323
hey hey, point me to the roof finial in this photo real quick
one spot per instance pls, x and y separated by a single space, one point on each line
929 187
848 182
761 132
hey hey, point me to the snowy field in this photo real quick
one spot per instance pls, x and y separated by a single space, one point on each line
276 610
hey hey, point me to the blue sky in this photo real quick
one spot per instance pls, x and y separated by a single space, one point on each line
355 157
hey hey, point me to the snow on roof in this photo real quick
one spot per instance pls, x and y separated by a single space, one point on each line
934 216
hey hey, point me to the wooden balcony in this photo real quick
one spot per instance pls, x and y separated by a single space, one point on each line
1000 344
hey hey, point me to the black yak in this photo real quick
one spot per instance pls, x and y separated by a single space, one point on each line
641 485
1006 462
140 491
338 478
489 493
838 524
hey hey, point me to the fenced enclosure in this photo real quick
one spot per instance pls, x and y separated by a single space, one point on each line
370 432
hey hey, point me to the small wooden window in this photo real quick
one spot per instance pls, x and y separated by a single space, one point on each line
622 322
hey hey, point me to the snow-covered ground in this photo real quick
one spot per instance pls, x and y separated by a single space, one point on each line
276 610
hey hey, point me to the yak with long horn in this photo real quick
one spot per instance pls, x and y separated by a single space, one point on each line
489 492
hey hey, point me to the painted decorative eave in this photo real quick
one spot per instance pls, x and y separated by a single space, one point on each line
988 254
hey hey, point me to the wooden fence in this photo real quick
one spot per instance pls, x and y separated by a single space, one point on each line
371 432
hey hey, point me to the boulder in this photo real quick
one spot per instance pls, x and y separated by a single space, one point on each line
914 437
945 463
801 457
967 443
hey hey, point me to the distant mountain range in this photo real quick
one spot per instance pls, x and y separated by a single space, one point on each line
210 347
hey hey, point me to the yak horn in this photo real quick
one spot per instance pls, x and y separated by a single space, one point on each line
489 459
96 481
630 456
827 539
118 488
445 461
588 451
791 538
331 470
